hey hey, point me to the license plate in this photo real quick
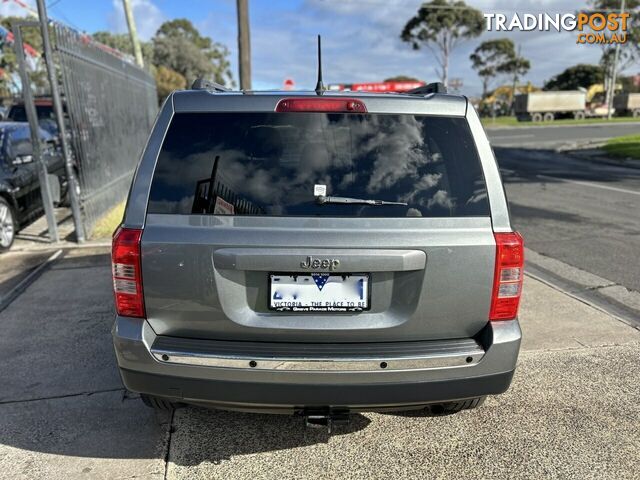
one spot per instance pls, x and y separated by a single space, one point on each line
319 292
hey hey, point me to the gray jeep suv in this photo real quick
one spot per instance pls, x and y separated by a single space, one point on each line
312 254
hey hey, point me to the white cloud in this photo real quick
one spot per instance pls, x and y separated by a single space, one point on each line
146 14
12 9
361 43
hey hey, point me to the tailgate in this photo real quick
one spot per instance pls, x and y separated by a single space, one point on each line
209 277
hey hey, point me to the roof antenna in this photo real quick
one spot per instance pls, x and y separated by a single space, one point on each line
319 86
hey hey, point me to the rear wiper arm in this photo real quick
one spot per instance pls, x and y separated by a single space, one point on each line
321 200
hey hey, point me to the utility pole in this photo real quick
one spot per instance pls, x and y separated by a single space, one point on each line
137 51
612 86
244 44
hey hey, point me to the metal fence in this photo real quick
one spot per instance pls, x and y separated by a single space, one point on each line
111 104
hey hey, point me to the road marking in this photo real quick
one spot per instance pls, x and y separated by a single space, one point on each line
590 184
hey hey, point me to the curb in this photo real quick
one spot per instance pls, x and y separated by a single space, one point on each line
582 291
60 246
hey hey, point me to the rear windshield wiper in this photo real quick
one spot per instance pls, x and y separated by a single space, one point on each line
321 200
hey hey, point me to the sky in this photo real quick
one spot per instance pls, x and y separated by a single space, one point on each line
360 38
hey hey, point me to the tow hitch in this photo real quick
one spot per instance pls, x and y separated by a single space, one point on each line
325 418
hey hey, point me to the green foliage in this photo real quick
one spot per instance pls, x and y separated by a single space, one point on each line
629 51
179 46
581 75
624 147
122 42
177 55
167 81
440 26
491 58
516 67
9 61
401 78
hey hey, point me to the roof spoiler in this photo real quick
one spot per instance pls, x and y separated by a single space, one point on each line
202 84
436 87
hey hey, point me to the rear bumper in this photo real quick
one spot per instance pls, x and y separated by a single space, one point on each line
272 389
285 397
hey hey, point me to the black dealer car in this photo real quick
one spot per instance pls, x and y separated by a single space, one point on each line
20 197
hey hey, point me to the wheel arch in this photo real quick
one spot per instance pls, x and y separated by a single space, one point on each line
7 194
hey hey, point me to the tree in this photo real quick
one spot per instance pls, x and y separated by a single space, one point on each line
9 83
629 52
441 26
572 78
167 81
122 42
491 58
401 78
515 68
179 46
630 84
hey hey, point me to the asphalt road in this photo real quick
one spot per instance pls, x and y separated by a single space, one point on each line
583 213
557 135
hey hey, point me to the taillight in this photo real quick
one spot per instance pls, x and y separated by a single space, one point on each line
507 280
126 271
321 104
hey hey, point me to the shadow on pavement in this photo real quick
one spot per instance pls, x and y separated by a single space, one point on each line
522 165
15 267
61 392
524 211
203 435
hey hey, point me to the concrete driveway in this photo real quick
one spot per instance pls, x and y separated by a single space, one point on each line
573 410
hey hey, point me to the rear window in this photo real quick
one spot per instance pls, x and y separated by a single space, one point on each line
271 164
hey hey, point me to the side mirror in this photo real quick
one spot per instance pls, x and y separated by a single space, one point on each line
22 159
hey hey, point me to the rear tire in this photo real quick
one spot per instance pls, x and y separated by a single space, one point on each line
8 226
158 403
636 113
536 117
549 117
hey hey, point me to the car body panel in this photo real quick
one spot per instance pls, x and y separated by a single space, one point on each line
228 303
267 390
20 183
205 278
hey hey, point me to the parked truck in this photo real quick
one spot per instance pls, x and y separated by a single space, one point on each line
547 106
627 104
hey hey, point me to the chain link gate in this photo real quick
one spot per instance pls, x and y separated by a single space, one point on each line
111 105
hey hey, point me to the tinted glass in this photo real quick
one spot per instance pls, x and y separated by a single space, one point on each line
19 142
270 163
19 114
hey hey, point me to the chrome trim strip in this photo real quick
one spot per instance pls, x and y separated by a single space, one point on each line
355 364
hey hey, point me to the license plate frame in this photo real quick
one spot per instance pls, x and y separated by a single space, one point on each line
323 309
